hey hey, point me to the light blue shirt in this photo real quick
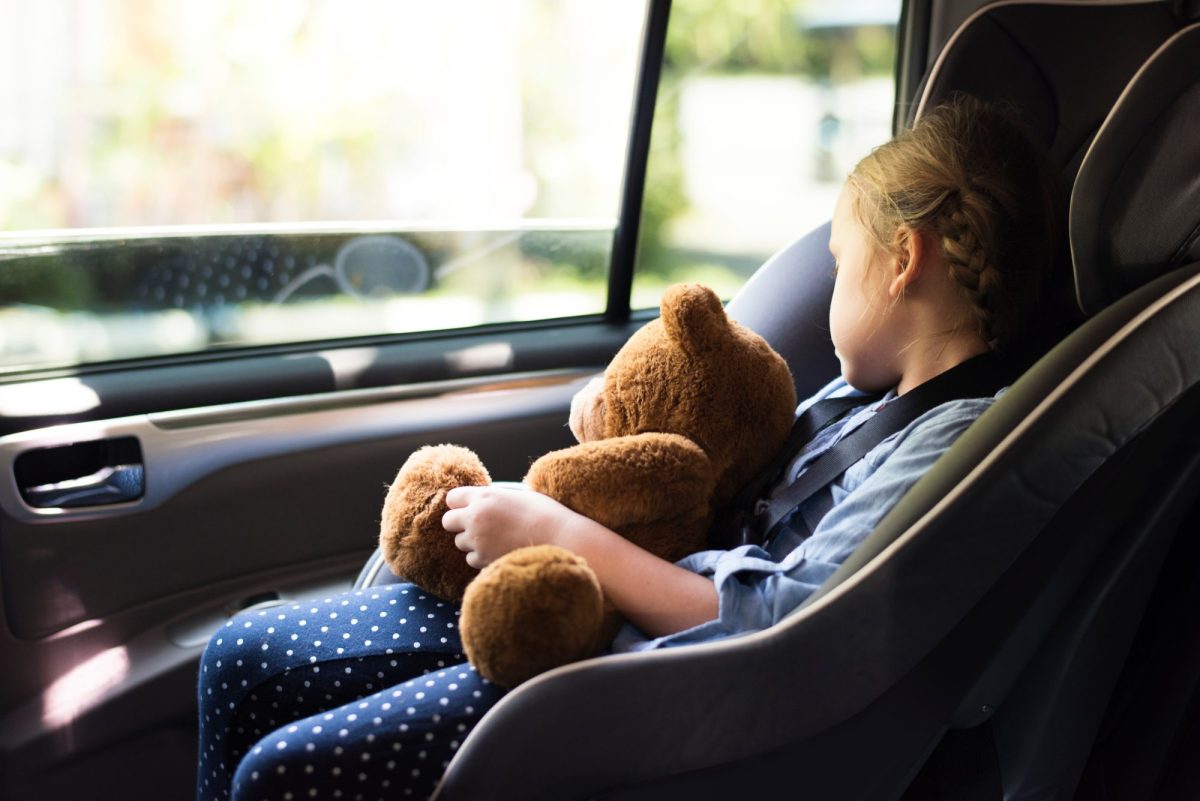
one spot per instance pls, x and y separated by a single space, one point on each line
758 586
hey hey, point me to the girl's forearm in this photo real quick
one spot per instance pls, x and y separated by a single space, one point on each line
655 595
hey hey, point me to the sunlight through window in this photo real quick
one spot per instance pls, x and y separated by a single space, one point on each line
83 686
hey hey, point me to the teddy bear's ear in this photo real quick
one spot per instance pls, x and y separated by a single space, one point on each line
693 315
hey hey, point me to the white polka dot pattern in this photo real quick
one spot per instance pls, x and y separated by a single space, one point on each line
308 701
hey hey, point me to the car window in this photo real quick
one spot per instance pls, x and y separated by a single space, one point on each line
184 177
763 108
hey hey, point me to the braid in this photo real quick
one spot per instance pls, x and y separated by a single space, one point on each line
965 246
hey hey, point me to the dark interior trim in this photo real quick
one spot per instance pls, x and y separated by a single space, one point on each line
335 366
912 57
625 237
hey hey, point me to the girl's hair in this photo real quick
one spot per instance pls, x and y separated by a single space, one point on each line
968 174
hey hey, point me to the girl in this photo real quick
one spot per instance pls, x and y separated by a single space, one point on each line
940 240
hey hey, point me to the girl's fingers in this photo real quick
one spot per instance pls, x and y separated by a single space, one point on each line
461 496
457 499
462 541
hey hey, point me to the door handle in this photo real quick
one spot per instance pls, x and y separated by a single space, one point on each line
94 473
114 484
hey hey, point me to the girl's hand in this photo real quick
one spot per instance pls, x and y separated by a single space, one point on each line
488 522
657 596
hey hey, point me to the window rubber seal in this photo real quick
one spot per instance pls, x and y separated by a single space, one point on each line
625 237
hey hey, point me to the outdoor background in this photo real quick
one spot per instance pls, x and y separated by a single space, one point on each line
182 176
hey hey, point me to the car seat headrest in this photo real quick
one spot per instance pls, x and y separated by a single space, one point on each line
1016 52
1135 205
1186 10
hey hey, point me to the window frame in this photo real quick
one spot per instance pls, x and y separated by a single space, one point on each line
912 58
629 218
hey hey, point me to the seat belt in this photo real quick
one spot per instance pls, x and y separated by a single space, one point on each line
978 377
735 516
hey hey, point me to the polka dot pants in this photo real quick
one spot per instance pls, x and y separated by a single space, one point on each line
364 695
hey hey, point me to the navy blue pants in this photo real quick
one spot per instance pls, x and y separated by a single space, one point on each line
364 695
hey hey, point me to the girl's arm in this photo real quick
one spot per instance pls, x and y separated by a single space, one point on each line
655 595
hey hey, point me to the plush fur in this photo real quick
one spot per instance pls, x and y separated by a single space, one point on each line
567 610
691 408
411 535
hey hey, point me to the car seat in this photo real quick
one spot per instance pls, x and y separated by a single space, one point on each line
1005 585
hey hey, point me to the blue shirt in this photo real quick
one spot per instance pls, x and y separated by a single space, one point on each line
758 586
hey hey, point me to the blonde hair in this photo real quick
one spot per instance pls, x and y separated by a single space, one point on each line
968 174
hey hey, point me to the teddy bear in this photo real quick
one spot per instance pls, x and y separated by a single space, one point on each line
692 407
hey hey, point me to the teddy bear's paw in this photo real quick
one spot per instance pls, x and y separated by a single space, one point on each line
414 544
532 610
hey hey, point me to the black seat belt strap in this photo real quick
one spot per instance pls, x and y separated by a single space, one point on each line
807 425
981 376
734 517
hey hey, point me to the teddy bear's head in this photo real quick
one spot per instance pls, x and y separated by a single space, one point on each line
696 373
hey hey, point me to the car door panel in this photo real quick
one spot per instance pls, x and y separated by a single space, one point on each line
261 501
215 484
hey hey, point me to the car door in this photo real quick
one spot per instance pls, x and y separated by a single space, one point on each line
253 257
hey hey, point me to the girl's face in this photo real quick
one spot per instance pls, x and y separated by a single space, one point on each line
859 314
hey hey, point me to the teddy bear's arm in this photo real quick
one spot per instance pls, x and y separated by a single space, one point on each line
624 481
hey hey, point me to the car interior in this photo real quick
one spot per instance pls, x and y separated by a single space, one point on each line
1022 625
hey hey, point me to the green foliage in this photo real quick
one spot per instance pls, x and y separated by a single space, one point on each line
751 35
664 197
768 36
42 281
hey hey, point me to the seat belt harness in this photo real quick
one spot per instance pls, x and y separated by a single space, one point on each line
756 520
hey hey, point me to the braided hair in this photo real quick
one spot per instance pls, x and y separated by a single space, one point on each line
968 174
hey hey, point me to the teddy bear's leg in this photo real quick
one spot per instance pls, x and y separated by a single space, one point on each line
532 610
414 544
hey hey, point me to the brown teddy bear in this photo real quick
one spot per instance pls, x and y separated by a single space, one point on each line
691 408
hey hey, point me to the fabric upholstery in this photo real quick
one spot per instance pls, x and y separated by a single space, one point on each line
1135 209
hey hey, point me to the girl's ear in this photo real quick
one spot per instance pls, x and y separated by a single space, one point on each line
910 253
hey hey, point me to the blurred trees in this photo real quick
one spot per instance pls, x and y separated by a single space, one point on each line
822 41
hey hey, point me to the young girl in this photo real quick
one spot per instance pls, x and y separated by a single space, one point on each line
940 240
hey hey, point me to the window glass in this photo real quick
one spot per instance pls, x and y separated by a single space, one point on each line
178 177
763 108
